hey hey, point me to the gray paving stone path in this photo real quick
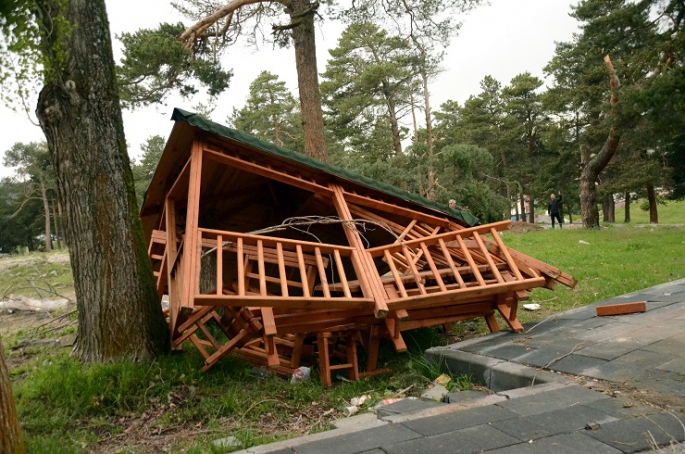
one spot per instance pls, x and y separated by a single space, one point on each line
575 383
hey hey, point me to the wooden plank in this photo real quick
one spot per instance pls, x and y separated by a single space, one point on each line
469 260
303 272
450 262
433 268
364 267
447 236
260 268
292 302
395 209
492 323
488 257
506 254
268 321
396 275
461 295
226 349
191 262
281 270
621 309
324 361
239 163
322 273
414 271
341 274
219 266
241 269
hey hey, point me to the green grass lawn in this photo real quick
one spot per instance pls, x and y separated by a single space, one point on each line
66 407
672 212
618 260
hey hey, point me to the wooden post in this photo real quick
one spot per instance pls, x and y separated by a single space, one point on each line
192 249
365 269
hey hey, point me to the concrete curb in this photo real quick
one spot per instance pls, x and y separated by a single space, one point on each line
496 374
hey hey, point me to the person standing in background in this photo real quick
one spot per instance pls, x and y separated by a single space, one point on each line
553 209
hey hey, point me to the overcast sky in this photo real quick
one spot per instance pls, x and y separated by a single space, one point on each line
502 39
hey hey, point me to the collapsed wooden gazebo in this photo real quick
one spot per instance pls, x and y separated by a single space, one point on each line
281 259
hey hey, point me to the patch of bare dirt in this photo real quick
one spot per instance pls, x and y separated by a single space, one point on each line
523 227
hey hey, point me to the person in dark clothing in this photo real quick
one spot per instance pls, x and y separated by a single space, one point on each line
553 209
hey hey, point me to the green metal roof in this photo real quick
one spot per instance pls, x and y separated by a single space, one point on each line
299 158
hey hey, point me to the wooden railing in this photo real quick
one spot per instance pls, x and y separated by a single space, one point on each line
277 272
455 261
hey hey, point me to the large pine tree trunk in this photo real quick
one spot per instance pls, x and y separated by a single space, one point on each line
10 436
46 211
302 12
653 213
118 308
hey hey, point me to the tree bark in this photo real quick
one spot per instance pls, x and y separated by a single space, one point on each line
46 211
531 209
653 213
591 168
523 206
609 208
413 116
118 307
54 219
301 12
10 435
394 123
626 219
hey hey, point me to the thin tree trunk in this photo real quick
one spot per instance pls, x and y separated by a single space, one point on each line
302 12
413 116
118 308
10 435
274 119
531 209
609 209
58 244
591 168
46 212
653 213
626 219
429 121
394 124
522 199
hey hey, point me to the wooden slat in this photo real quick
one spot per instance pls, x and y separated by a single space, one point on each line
268 321
395 209
303 272
466 294
414 271
488 257
450 262
365 269
257 169
433 268
447 236
341 274
260 268
322 273
396 275
469 260
219 266
506 254
281 270
241 269
621 309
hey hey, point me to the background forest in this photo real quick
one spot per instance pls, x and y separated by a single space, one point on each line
498 153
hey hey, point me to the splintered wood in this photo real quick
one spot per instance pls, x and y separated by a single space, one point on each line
321 294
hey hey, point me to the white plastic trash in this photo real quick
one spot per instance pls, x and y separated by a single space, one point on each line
301 374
